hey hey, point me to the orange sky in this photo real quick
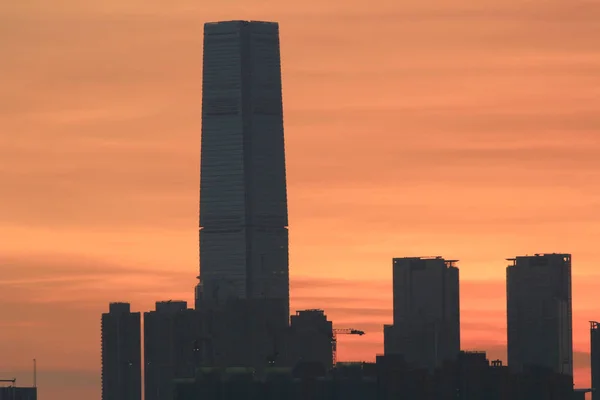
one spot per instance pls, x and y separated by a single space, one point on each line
467 129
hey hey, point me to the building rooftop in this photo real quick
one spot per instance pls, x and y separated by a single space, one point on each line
238 21
540 255
449 263
537 257
119 307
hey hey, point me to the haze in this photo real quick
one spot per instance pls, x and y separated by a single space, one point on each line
463 129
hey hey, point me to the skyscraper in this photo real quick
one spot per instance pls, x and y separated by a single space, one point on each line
539 313
426 329
121 354
243 202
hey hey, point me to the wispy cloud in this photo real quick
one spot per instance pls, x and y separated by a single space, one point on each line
466 129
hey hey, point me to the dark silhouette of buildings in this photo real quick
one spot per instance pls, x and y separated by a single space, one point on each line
243 200
306 381
579 394
426 329
595 358
18 393
240 334
171 336
539 313
310 339
238 343
469 377
14 392
121 354
243 333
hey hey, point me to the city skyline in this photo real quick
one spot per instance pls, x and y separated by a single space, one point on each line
116 207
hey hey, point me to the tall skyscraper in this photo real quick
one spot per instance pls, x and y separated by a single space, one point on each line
172 334
539 313
121 354
243 200
426 329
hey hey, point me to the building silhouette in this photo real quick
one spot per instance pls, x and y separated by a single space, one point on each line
595 358
18 393
171 336
539 313
426 328
243 334
238 342
243 202
121 354
310 339
469 377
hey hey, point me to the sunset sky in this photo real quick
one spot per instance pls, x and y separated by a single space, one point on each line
466 129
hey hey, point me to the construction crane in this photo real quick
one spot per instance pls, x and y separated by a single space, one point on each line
13 381
341 331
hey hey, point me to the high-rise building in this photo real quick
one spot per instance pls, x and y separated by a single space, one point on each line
243 201
172 335
426 329
539 313
121 354
595 358
310 339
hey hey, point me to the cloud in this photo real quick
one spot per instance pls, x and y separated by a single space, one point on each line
307 283
51 279
52 305
383 313
472 137
61 266
94 134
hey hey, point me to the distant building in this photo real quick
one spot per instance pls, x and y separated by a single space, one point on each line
18 393
244 333
595 358
171 336
310 339
477 379
469 377
348 383
539 313
121 354
243 202
426 328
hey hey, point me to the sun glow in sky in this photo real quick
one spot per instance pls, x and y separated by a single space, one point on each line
466 129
